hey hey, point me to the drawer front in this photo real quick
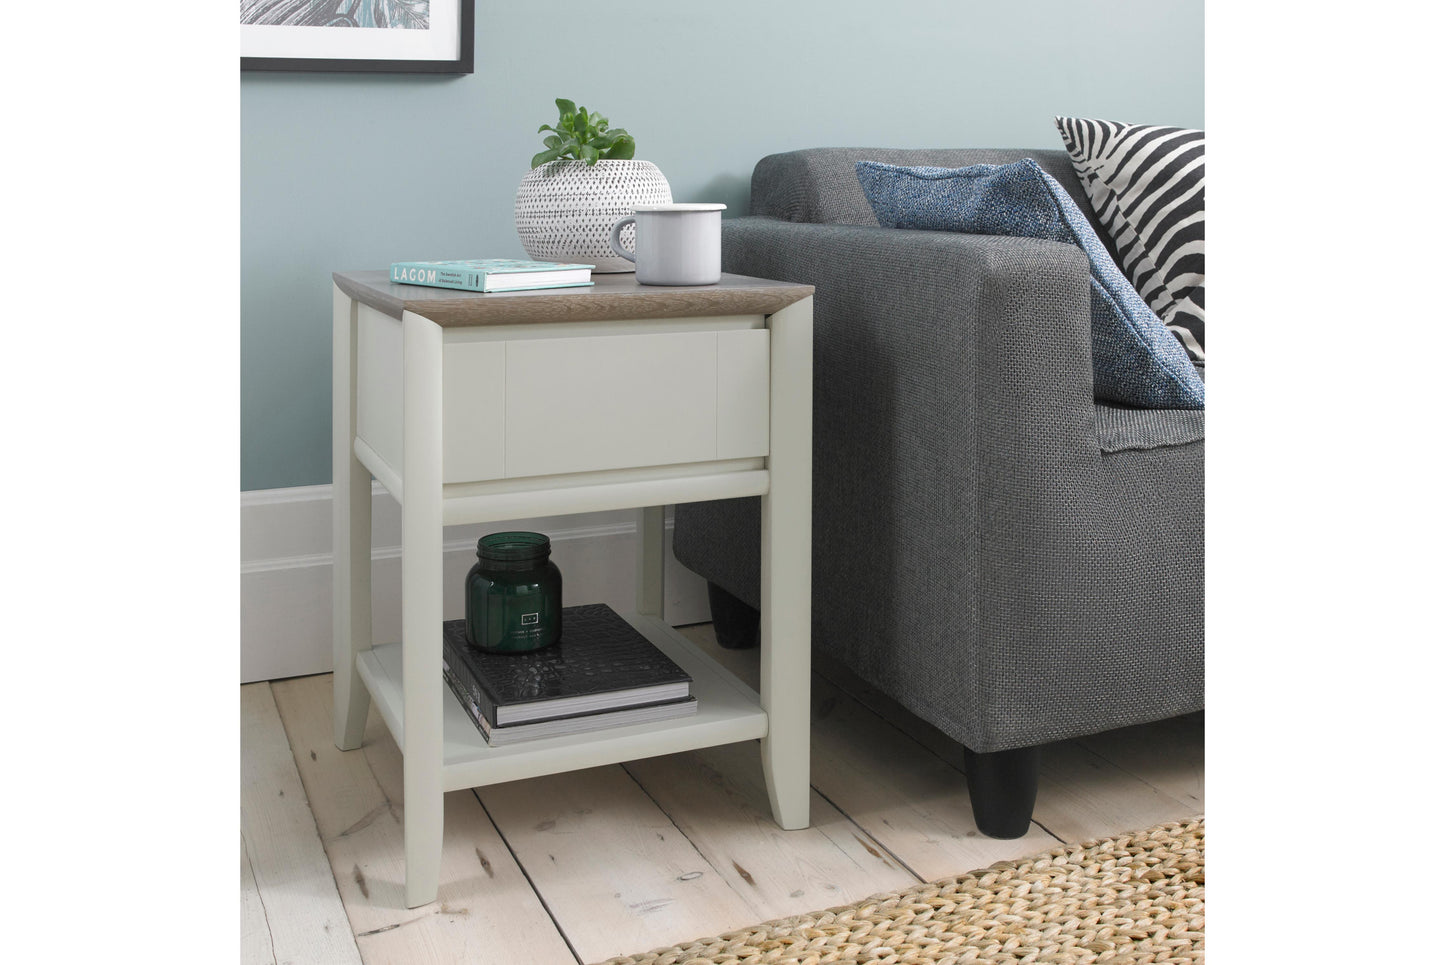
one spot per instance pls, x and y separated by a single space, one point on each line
579 404
561 405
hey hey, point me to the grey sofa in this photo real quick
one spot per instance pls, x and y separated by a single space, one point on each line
1009 559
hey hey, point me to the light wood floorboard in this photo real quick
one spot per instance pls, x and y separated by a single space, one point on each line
256 946
611 865
299 908
718 798
485 912
1168 754
574 868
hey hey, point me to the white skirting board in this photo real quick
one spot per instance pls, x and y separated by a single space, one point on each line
286 573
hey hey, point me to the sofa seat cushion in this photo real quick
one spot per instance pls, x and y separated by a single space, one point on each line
1136 359
1121 428
1146 185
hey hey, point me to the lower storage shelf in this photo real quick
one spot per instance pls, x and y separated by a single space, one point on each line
727 711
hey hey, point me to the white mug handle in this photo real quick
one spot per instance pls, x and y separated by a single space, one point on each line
616 239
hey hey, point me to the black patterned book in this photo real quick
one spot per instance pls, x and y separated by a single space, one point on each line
578 724
600 664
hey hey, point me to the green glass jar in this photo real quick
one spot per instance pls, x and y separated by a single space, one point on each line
514 594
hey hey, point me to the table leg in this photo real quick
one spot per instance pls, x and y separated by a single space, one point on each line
787 566
651 560
421 602
351 536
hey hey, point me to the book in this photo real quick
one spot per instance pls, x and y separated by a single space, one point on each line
491 274
601 663
565 726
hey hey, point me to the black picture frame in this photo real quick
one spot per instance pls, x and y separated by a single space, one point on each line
466 27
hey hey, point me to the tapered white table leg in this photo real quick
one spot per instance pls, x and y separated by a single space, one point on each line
421 600
787 566
651 559
351 536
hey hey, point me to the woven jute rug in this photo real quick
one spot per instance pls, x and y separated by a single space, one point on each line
1135 898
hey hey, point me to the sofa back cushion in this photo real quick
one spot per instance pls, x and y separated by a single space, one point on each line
820 185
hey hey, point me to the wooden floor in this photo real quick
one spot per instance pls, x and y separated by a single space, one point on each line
578 867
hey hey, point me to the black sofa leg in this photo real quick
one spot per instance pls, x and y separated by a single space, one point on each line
735 624
1002 786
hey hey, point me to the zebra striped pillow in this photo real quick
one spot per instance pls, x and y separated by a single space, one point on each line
1146 184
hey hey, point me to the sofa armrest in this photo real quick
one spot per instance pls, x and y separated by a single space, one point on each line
979 344
953 423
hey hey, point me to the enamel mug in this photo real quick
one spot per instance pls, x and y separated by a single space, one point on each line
677 244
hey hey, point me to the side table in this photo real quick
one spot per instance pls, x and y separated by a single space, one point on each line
473 408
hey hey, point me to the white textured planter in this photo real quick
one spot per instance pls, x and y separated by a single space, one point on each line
565 210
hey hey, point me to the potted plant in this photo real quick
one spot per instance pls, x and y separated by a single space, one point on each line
584 180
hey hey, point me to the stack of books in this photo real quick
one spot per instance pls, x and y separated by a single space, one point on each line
602 673
491 274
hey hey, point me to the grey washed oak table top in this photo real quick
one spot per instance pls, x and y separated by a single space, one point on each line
614 296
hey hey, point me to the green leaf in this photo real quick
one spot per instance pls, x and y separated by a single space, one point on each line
583 135
623 150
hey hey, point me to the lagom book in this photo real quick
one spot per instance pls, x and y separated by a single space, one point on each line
491 274
600 665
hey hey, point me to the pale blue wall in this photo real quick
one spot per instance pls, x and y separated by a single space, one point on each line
354 171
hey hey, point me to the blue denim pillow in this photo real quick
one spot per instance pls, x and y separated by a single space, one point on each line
1136 359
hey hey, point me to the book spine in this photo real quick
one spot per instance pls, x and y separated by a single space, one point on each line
472 711
472 696
413 273
560 284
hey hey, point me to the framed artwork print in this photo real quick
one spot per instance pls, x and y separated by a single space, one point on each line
397 36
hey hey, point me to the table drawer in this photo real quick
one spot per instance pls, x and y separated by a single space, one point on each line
542 407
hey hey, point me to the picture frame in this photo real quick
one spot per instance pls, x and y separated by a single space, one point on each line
386 36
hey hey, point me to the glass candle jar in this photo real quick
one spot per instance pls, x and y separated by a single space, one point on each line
514 594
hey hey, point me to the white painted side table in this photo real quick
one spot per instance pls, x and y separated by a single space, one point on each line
473 408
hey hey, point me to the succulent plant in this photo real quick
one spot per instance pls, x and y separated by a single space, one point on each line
581 136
